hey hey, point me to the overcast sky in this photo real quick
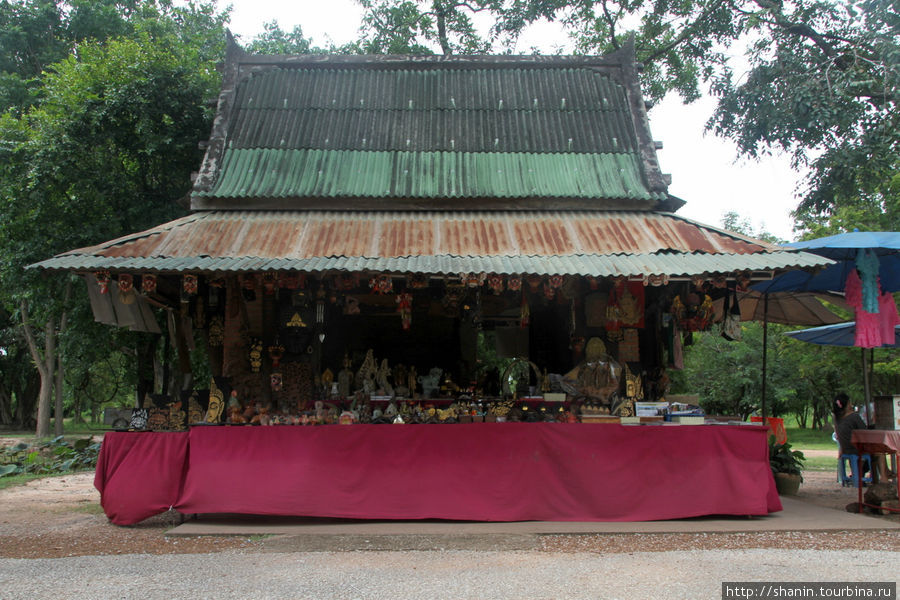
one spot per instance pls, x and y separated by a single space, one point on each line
705 170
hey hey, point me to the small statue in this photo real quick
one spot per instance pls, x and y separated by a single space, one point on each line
216 403
365 377
235 416
411 379
381 378
345 378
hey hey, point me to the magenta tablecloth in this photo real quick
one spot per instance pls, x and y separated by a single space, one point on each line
140 474
480 472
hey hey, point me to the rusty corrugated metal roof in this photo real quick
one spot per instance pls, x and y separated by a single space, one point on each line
599 243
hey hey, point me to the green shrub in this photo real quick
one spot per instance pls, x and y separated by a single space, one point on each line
49 458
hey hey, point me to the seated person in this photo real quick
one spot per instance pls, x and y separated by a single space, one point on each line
846 419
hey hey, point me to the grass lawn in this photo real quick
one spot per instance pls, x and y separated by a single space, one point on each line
14 480
810 439
820 463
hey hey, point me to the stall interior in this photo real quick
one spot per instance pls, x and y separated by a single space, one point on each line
343 348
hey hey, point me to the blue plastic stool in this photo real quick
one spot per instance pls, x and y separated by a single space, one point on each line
853 460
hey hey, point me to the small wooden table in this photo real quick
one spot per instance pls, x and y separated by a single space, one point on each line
877 441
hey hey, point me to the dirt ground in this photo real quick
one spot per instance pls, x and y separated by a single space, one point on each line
61 516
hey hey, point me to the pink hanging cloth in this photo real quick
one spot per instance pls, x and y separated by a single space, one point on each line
868 325
887 311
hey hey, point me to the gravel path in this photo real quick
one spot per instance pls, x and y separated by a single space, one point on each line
420 575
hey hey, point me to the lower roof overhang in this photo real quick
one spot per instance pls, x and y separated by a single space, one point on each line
590 243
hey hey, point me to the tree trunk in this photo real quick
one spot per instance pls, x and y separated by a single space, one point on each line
44 366
441 18
26 400
63 321
5 406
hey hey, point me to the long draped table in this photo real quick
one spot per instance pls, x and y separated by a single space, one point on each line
477 472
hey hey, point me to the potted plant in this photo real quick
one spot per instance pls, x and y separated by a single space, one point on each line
787 467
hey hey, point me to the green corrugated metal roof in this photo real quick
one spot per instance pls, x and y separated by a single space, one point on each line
325 173
484 110
303 128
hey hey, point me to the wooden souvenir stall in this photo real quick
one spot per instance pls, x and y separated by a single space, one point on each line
428 288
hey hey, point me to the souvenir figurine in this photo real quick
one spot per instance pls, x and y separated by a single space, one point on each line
381 378
276 351
148 284
345 378
276 381
411 379
235 417
189 285
126 288
256 347
216 403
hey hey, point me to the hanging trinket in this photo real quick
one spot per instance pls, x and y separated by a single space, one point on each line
514 283
346 281
270 283
656 280
276 351
404 307
102 280
216 332
320 307
289 281
614 315
472 280
495 283
549 291
256 347
126 288
188 286
524 313
148 284
276 382
382 284
451 300
416 281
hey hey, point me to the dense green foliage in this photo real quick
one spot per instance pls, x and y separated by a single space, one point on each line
801 379
49 458
107 102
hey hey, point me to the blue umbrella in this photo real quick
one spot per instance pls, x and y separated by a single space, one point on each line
842 248
841 334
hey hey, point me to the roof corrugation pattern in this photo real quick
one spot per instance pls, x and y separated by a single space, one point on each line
588 243
674 265
342 174
452 110
296 133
